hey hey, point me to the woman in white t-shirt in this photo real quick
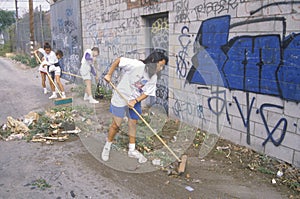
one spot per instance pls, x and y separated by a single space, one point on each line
49 63
137 83
87 70
49 58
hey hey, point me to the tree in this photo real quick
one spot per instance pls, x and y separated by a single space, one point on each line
6 19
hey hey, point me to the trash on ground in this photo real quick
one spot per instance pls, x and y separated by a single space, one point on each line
189 188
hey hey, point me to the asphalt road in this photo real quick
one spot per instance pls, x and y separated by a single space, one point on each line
20 90
73 172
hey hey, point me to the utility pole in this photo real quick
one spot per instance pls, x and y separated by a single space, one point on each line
17 34
31 26
16 5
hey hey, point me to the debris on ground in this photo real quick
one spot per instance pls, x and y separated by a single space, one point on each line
52 125
275 171
16 126
58 125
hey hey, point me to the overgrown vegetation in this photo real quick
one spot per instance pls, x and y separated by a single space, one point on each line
5 48
98 91
25 59
102 92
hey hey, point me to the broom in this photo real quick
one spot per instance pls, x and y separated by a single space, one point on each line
61 100
182 161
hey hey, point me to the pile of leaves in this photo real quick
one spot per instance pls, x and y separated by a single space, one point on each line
54 124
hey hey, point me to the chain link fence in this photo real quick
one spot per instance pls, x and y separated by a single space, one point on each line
18 35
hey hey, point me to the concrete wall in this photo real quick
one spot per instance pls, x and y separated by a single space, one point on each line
66 33
234 68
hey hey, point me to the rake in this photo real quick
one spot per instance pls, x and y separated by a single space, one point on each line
182 161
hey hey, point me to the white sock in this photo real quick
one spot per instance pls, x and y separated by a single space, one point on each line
107 144
45 89
131 146
54 93
63 93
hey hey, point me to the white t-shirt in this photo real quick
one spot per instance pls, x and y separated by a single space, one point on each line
49 59
135 81
85 68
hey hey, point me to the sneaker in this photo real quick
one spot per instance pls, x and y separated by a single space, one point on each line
93 101
136 154
53 96
86 97
63 95
45 91
105 153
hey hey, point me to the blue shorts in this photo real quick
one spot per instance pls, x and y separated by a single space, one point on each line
126 111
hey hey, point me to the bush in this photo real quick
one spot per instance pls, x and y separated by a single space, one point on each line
27 60
5 48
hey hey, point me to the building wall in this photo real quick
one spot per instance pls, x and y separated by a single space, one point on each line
66 34
234 68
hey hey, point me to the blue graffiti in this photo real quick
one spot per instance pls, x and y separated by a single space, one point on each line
270 133
249 109
180 59
264 64
218 99
245 121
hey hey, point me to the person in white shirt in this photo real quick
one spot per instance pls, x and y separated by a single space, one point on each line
49 60
87 70
137 83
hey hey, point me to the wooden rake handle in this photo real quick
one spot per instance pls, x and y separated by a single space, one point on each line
71 74
49 77
146 123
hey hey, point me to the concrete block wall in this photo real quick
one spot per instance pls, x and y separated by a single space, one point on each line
256 110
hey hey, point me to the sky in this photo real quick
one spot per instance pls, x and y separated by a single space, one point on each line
23 5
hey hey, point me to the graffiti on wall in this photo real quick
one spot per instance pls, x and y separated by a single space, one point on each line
181 8
182 62
264 64
267 64
66 35
216 7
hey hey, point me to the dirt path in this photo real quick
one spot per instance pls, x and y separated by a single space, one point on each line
73 171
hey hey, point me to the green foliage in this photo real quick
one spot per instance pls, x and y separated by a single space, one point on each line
5 133
266 170
7 18
40 183
41 127
25 59
5 48
295 186
102 92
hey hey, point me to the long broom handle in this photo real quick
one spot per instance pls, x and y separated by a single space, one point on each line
161 140
71 74
49 77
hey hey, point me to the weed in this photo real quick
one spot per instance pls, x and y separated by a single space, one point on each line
25 59
41 184
102 92
266 170
4 133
